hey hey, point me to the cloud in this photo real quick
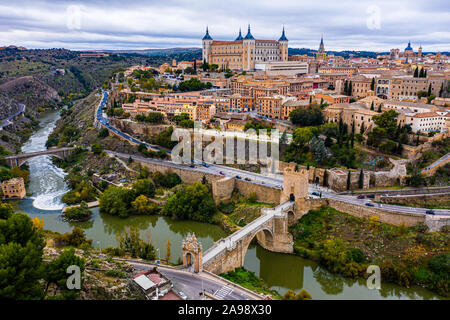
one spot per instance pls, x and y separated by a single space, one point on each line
141 24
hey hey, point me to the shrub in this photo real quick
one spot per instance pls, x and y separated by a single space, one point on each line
78 213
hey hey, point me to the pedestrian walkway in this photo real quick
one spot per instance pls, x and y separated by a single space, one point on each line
223 292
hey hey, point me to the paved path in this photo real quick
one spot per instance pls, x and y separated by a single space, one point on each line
438 162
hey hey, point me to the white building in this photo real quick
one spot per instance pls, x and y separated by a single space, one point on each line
428 121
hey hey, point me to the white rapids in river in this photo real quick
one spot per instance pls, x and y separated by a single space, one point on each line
47 184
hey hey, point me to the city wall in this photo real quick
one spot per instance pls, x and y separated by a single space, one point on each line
136 128
222 188
391 217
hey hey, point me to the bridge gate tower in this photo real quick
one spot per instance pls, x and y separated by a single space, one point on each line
295 188
192 251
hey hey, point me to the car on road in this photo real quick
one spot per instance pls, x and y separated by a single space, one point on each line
315 193
370 204
361 196
182 295
430 212
222 173
247 179
205 164
192 165
370 196
238 177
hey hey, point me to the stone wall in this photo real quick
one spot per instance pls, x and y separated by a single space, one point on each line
408 199
263 193
137 128
337 177
223 189
391 217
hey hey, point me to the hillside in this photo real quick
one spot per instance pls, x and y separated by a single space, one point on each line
52 78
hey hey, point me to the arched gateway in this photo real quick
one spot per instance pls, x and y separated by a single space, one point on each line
192 251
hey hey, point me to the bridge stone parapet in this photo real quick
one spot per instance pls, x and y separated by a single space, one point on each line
19 159
270 230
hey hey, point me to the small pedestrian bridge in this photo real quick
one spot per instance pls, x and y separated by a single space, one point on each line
271 232
19 159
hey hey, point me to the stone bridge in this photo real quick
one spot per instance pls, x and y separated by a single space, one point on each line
270 230
19 159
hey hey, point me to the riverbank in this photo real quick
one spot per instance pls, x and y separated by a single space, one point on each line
348 245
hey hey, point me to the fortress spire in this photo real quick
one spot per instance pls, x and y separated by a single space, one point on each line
239 36
249 34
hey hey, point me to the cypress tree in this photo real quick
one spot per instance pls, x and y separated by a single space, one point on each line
195 65
429 90
422 73
350 89
441 91
361 179
325 178
346 87
379 108
348 181
372 85
425 74
416 72
362 128
372 107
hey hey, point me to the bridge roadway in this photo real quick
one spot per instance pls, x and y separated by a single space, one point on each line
229 241
274 181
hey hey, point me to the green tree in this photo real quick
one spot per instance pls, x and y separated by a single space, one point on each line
192 202
116 201
429 90
372 84
56 270
361 179
21 248
349 180
143 206
416 72
145 187
372 107
387 120
325 178
6 210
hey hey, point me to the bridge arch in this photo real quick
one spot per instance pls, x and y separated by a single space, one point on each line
291 217
264 237
20 161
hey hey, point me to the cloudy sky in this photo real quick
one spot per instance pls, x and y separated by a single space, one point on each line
354 25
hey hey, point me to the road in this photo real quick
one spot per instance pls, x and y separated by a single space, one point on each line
192 284
274 181
7 121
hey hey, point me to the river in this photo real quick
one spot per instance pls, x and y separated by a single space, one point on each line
280 271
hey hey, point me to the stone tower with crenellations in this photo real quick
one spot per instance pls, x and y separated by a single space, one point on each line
295 185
